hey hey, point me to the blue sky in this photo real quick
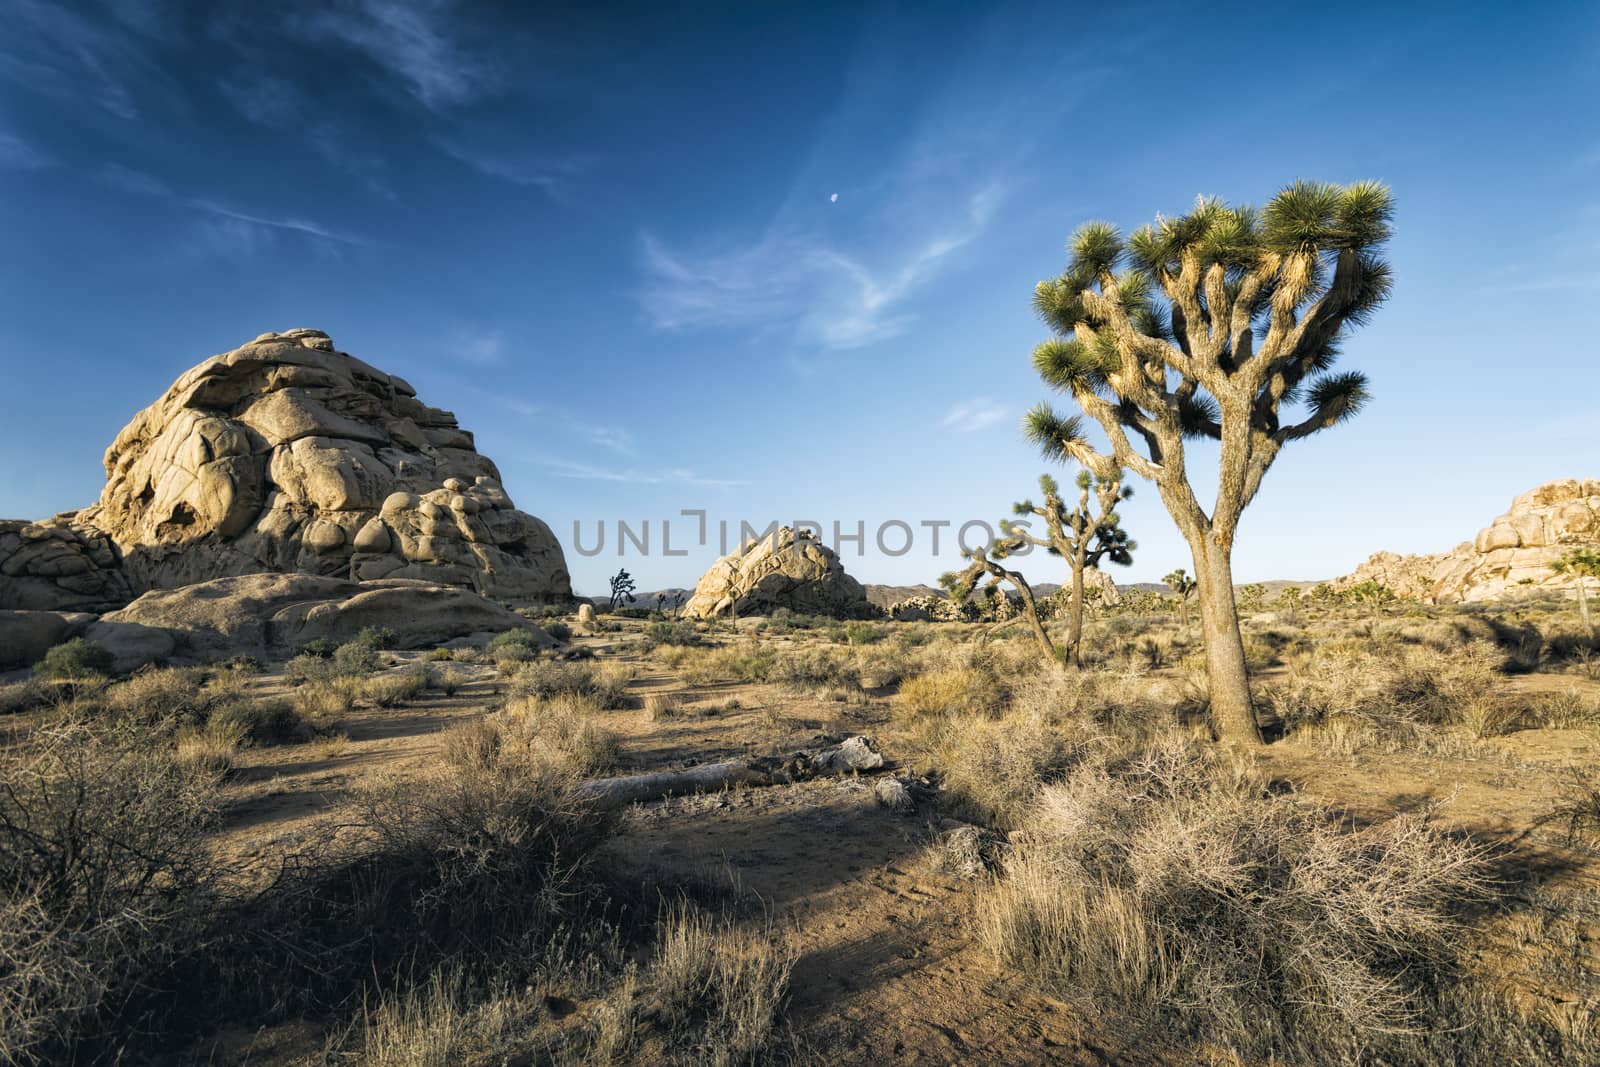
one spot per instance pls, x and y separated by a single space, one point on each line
774 261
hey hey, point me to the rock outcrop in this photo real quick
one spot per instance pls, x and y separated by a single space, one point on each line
1053 602
271 615
285 455
1512 553
786 569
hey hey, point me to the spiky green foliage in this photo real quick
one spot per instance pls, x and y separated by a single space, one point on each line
1224 317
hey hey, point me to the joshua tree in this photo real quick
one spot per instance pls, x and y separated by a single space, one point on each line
621 589
1252 597
1083 535
1371 593
1214 324
959 585
1180 583
1582 564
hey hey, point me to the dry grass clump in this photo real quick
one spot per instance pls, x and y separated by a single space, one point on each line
25 695
816 671
662 707
394 689
447 679
104 876
940 694
607 683
747 661
716 989
990 770
559 738
1171 885
322 702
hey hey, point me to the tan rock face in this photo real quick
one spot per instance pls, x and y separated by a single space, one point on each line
1512 553
788 569
286 455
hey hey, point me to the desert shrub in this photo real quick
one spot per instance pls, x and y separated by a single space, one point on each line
1570 710
447 679
104 876
660 707
558 630
1173 886
607 683
747 661
320 648
377 637
670 632
439 655
393 690
321 702
964 691
558 738
880 666
76 658
167 697
863 633
25 695
718 988
356 658
208 750
259 722
990 770
814 670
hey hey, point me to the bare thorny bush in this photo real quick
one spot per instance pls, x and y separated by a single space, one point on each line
1172 885
104 877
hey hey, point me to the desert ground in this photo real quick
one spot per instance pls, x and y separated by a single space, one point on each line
377 856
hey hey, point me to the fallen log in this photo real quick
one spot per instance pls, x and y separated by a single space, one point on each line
853 754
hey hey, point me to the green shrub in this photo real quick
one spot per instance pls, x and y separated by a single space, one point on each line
671 632
558 630
320 648
260 722
864 633
76 659
356 658
378 636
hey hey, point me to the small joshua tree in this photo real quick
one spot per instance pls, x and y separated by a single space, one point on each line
1180 583
1214 324
985 563
1252 597
621 589
1084 535
1582 564
1371 593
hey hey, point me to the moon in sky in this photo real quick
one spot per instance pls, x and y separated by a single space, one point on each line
834 199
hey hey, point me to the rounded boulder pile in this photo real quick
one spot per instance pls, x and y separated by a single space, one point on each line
286 456
788 568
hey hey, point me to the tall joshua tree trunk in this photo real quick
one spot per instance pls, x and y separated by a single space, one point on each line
1226 674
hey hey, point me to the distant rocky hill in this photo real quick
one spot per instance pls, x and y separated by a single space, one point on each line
887 596
1513 552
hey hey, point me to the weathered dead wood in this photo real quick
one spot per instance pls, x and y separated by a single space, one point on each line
854 754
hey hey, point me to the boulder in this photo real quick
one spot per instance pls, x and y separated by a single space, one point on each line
272 615
785 569
25 636
1511 554
285 455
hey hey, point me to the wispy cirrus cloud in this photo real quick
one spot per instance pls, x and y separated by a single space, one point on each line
17 154
973 415
417 43
634 475
241 228
814 290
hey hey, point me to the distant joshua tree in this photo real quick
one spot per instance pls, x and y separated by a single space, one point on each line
1180 583
1084 535
1252 597
1582 564
1220 320
621 589
985 562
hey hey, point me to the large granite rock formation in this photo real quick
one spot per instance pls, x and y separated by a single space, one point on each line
270 615
1512 553
285 455
787 569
